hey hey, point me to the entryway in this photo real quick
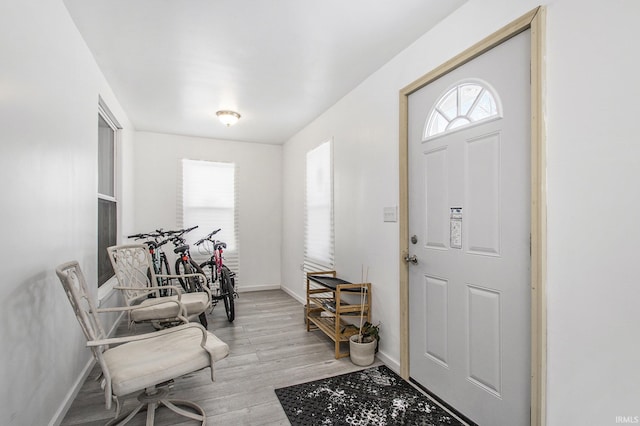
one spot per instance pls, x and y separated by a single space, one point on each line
472 228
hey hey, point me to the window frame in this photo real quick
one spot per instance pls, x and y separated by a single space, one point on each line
104 113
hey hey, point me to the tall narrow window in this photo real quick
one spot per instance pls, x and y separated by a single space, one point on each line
209 200
319 235
108 130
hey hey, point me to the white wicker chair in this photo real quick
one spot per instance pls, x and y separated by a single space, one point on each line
137 280
141 362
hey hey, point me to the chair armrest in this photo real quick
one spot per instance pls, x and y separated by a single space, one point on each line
138 337
181 308
116 309
201 276
144 292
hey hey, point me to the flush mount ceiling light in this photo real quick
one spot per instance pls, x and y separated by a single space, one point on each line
228 118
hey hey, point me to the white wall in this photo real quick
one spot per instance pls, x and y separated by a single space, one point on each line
594 204
260 195
593 174
49 87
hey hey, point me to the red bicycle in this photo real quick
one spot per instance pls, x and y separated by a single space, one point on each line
220 278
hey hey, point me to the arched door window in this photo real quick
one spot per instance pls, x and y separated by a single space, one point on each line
466 104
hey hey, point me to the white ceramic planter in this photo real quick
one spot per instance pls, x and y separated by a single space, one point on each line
362 353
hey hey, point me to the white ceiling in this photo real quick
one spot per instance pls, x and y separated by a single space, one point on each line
279 63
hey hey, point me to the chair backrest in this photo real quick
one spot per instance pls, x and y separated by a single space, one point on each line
133 267
75 286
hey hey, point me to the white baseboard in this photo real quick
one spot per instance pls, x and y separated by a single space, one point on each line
295 296
73 392
389 362
57 418
248 288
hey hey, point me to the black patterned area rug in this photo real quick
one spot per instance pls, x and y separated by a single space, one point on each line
375 396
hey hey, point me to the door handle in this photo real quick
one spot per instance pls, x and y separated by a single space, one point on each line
413 259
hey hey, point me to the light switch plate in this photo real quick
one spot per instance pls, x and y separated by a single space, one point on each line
390 214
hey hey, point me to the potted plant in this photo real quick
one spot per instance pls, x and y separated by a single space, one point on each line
364 345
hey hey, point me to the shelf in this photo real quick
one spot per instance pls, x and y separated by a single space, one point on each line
345 308
331 282
326 308
328 326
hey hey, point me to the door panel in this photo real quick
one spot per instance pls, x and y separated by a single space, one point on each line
436 319
483 194
437 234
469 206
485 339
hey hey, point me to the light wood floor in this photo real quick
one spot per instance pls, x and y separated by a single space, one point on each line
269 348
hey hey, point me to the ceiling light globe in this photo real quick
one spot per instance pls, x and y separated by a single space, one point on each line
228 118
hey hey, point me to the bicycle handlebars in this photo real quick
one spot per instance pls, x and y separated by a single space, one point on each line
208 237
173 236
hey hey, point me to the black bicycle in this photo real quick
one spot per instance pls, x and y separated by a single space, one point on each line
220 278
184 263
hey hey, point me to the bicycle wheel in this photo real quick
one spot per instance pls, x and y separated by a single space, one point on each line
227 289
151 283
163 265
209 270
182 268
197 284
191 284
197 281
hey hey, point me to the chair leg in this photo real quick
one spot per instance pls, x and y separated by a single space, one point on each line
173 406
151 399
151 413
125 418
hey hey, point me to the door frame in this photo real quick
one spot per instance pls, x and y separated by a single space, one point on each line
534 20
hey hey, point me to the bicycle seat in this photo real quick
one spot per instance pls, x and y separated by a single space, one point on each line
181 249
219 245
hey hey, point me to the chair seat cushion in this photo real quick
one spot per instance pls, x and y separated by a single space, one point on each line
195 303
137 365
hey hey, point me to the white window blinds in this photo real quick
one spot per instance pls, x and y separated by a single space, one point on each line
209 200
319 235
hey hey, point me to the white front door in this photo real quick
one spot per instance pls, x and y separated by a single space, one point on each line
469 229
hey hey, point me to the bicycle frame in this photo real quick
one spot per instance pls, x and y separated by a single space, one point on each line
217 259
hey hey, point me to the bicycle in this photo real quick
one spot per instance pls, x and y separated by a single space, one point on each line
184 263
220 278
158 257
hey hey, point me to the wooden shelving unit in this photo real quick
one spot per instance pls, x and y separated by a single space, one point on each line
327 310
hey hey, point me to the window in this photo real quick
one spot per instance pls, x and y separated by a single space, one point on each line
108 132
464 105
319 234
209 200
